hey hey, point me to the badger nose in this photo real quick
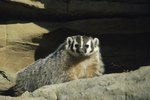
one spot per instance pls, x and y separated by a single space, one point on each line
81 51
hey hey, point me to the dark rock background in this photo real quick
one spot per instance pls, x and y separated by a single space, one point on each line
31 29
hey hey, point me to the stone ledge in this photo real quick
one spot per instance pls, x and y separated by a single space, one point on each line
124 86
121 86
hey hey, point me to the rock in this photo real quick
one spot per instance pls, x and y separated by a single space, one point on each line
106 8
68 10
6 81
124 86
32 9
111 25
16 46
34 3
20 98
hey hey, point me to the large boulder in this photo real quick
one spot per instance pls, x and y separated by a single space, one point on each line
122 86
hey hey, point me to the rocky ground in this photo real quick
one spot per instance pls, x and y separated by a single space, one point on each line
121 86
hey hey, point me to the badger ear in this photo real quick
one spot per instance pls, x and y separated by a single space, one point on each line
96 42
69 41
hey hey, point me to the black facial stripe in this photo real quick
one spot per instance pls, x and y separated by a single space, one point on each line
92 47
85 50
72 46
77 50
69 43
78 39
78 45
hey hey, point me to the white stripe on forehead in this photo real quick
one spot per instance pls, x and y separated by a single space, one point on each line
82 42
75 42
89 48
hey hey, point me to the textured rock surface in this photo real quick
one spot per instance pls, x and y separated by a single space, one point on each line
21 98
122 86
67 9
16 46
5 81
126 86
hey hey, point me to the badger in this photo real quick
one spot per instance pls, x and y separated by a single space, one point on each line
77 57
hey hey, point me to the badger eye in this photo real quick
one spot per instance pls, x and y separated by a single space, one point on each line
86 46
77 45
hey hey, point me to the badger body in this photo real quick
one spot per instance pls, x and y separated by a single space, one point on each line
78 57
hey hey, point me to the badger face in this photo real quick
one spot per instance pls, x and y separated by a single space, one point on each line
82 45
